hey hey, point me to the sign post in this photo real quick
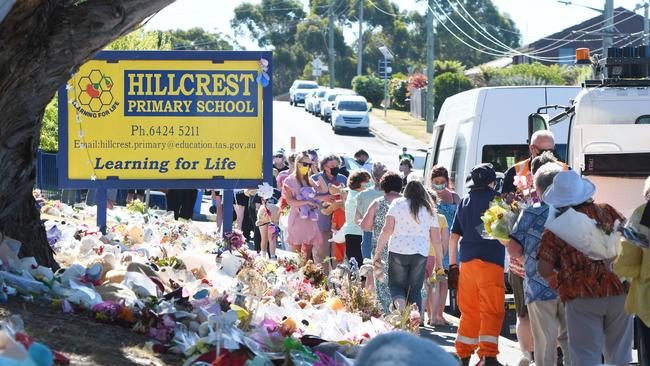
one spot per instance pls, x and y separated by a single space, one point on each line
317 64
167 120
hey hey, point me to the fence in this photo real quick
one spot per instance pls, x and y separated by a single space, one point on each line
418 103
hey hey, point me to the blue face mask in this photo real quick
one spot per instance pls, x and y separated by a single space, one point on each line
439 187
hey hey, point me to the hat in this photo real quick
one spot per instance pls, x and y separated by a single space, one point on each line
568 189
481 175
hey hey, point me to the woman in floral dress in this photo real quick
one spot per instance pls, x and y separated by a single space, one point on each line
391 184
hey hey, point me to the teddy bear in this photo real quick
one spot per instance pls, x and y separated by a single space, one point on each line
306 211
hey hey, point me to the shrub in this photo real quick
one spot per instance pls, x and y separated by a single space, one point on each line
369 86
534 74
398 91
442 66
417 81
448 84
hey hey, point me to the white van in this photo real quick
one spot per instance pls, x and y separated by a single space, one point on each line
350 112
609 140
490 125
299 89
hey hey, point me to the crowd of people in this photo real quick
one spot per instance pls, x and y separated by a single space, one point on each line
423 239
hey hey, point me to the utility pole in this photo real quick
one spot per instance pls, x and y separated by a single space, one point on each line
646 25
330 51
430 57
609 27
360 56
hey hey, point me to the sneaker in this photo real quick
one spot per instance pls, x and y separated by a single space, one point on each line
491 361
524 361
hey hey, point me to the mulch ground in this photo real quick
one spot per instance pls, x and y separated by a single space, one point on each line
84 340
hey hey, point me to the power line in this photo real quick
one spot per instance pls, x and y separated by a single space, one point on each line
386 12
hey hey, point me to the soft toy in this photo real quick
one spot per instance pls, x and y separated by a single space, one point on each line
306 211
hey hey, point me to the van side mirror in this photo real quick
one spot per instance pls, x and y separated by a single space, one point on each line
537 122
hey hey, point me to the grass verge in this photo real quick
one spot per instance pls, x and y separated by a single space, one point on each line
404 122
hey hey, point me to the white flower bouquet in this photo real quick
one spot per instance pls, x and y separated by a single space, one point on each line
584 234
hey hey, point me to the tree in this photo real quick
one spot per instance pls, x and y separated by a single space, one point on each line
196 39
43 43
448 84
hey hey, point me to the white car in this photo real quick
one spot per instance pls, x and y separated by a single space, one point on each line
299 90
328 101
318 98
309 100
350 113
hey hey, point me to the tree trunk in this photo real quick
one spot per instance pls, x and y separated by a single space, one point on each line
43 43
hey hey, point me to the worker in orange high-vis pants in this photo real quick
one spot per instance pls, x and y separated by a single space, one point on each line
480 280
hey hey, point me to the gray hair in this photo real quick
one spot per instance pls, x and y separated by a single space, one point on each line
538 162
541 134
545 174
327 159
378 171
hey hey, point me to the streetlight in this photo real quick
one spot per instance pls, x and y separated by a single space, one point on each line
388 56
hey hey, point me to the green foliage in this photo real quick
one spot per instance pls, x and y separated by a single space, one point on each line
448 84
443 66
371 87
398 91
197 39
141 40
534 74
498 24
49 128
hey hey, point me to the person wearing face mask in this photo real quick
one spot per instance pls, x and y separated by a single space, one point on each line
364 200
361 157
481 289
279 162
303 235
405 167
329 175
519 175
447 201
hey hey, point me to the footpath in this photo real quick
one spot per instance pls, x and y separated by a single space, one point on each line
392 135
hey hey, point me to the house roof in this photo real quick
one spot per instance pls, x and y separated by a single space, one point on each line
589 33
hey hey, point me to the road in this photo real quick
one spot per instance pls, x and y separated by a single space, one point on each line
311 133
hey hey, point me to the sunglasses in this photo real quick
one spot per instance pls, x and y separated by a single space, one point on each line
305 164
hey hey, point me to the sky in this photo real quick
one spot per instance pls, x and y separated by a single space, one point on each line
534 18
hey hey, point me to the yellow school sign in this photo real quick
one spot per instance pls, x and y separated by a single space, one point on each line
167 120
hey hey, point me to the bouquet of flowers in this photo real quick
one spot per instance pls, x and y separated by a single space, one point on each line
232 240
586 235
499 219
635 232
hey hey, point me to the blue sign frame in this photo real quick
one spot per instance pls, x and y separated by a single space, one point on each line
216 182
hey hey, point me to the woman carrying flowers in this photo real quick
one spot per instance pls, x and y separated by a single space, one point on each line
593 294
303 234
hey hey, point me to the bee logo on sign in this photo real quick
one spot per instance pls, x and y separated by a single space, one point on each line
94 95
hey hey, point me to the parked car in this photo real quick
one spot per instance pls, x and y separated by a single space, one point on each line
309 100
299 90
318 98
328 101
350 112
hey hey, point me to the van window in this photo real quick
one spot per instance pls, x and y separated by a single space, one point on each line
457 174
503 157
436 152
643 120
332 97
321 93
